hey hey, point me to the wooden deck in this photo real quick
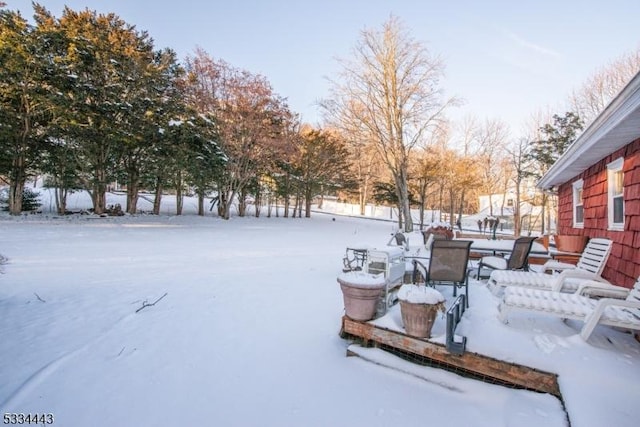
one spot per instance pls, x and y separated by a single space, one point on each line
473 364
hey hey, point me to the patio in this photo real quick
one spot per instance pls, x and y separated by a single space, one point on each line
532 351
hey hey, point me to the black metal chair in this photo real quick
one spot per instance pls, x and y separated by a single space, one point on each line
448 265
399 239
518 260
354 259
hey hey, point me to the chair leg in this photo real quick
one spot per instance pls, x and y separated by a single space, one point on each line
466 291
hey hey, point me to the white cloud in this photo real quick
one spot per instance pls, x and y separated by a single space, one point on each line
531 46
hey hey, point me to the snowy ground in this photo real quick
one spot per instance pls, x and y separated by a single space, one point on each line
247 334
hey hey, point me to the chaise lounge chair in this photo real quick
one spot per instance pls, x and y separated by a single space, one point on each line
588 268
593 257
612 311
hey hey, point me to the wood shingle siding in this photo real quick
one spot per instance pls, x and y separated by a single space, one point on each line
623 267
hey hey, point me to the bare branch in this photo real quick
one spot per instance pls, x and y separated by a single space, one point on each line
145 304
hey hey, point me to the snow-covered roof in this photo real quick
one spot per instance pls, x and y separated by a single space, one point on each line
617 126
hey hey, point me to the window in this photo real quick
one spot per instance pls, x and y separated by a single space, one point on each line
578 204
615 179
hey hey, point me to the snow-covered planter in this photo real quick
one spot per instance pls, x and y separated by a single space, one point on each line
419 306
361 292
437 228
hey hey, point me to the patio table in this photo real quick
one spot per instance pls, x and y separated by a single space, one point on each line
504 247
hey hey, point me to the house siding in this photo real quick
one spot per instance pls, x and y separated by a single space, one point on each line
623 266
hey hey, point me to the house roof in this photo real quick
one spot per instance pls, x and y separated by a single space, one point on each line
617 126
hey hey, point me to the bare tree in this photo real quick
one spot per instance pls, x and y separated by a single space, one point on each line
520 166
598 90
388 92
254 123
491 139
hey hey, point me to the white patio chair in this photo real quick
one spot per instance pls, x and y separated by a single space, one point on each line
612 311
593 258
567 281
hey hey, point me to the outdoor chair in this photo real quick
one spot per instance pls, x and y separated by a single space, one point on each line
593 258
354 259
518 260
448 265
589 268
399 239
611 311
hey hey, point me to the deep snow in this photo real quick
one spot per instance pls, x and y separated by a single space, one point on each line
247 333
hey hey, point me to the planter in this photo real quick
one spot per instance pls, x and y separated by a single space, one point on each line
574 244
418 319
419 306
438 232
361 292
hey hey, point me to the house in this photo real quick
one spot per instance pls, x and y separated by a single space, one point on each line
598 184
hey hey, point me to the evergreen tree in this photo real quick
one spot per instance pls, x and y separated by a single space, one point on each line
556 138
24 102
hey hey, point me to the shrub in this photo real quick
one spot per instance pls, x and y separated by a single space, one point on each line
30 199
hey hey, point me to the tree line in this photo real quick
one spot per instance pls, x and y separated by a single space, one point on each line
87 100
389 103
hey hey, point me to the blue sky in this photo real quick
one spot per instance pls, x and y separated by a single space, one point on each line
506 59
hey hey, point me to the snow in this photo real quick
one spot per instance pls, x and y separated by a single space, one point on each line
247 334
419 294
360 279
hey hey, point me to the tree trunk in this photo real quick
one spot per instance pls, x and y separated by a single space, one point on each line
286 196
287 203
441 196
307 202
226 196
179 195
61 199
15 196
99 193
242 203
517 225
133 189
258 202
402 192
461 207
200 203
157 198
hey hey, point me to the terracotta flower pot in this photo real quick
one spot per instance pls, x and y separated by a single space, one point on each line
567 243
361 292
439 232
419 305
418 318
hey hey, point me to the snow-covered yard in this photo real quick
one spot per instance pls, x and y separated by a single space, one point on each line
247 334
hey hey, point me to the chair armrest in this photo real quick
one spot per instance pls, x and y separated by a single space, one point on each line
419 268
601 289
558 284
592 320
